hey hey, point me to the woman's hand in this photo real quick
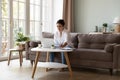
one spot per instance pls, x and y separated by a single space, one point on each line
63 45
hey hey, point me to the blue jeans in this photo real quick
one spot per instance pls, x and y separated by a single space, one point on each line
62 57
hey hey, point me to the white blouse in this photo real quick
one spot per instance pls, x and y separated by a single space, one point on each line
58 40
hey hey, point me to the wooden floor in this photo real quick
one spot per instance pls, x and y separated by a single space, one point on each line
15 72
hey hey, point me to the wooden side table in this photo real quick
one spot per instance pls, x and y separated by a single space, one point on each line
20 55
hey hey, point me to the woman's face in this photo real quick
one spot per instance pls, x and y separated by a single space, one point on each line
60 27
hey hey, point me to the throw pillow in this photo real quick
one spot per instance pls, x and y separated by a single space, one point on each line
34 43
73 40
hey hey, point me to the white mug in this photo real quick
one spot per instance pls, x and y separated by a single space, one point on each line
39 45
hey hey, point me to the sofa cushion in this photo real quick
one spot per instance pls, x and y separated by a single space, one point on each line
73 40
112 38
91 54
97 41
91 45
109 47
34 43
91 41
83 45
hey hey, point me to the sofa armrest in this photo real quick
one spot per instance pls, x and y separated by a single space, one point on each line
29 45
116 56
27 49
109 47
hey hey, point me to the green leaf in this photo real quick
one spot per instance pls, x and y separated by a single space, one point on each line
21 37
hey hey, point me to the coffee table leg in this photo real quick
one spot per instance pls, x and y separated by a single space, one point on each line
47 59
36 61
68 63
9 58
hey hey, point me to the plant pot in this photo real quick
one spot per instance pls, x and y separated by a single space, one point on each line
22 46
104 29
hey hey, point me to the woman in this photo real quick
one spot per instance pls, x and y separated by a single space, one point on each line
60 39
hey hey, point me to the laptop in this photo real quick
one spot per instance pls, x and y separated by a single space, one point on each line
47 42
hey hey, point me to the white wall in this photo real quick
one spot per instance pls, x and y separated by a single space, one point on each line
89 13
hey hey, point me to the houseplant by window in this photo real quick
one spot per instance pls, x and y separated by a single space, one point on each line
105 25
21 39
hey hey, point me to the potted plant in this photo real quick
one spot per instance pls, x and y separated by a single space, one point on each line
21 39
52 46
105 25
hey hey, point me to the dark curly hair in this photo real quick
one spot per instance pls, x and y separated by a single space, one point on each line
61 21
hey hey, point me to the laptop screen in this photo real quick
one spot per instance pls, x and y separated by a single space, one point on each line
47 42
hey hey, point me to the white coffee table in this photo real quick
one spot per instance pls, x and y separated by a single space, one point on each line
51 64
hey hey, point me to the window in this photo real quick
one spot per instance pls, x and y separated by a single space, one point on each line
43 16
28 16
4 24
47 17
19 16
35 18
12 11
